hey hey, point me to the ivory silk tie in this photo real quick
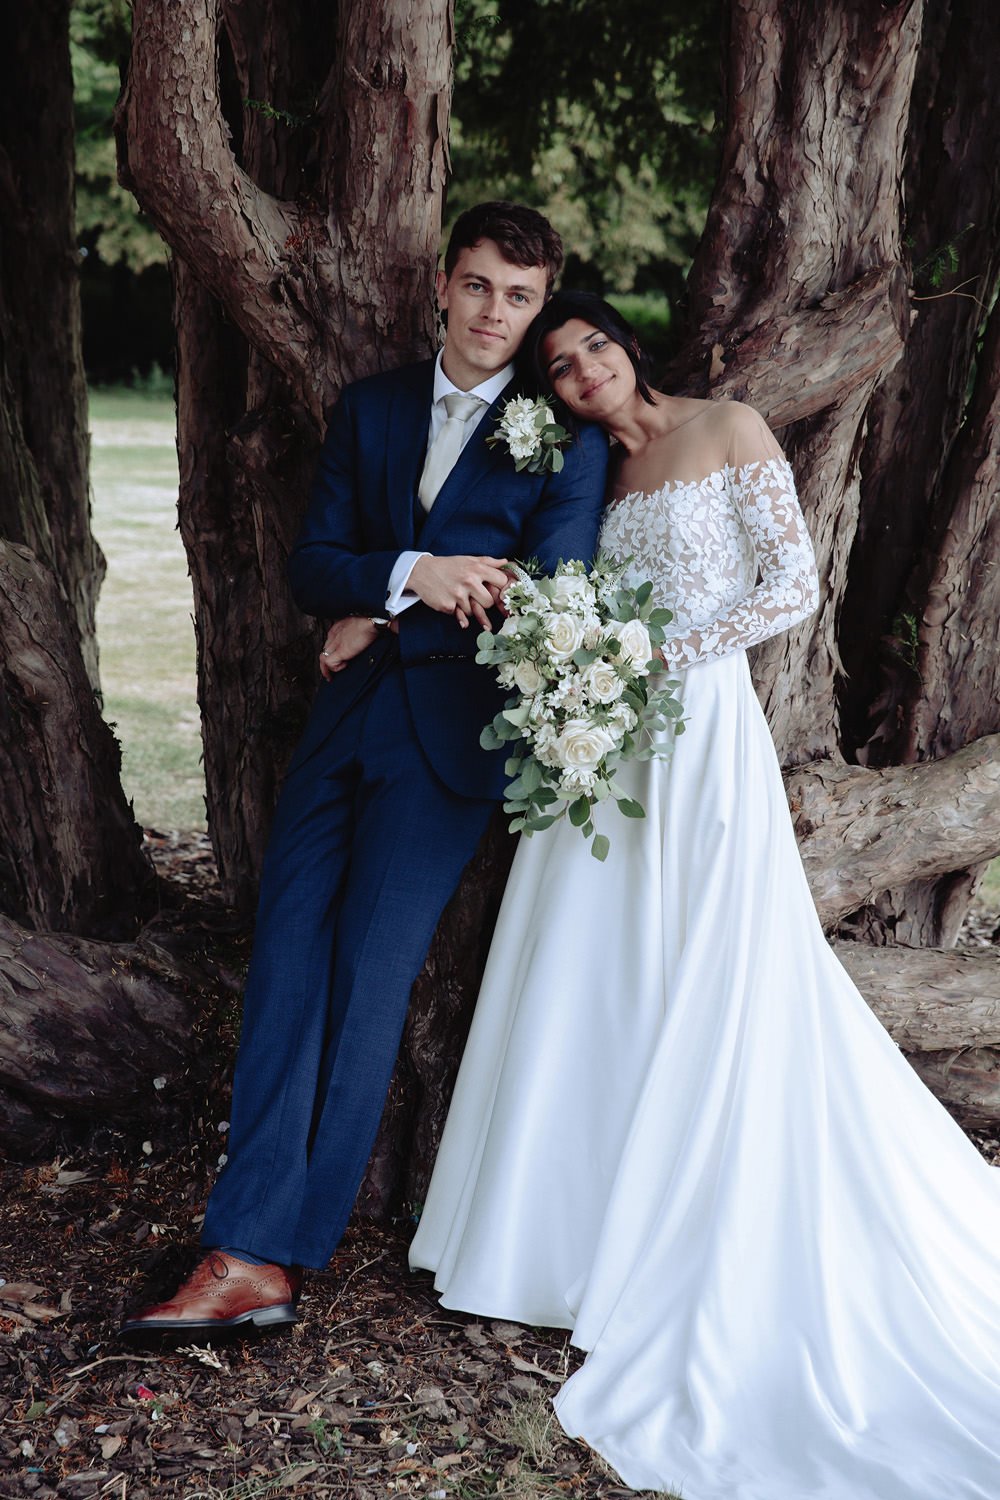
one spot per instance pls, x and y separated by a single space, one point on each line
443 452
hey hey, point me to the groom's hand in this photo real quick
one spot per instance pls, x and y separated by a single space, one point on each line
462 586
345 640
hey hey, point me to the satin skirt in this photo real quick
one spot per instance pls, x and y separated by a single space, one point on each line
679 1131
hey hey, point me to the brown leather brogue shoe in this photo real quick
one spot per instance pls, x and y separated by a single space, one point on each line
222 1292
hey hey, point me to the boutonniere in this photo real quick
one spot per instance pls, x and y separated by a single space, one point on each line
532 435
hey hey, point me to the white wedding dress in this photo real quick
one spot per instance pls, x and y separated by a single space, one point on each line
679 1131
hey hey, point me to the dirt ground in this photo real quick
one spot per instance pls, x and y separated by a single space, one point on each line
377 1392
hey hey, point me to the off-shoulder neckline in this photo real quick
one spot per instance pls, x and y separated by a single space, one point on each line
674 486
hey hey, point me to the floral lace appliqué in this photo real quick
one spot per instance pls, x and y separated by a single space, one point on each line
729 554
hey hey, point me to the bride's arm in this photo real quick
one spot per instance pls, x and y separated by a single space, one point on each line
788 588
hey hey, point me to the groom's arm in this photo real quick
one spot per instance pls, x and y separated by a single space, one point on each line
330 571
565 525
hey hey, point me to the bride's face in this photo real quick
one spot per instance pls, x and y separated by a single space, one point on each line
589 372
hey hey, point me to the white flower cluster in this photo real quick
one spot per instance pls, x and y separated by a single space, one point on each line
578 653
522 423
531 435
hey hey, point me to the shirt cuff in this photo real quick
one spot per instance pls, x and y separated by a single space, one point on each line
397 599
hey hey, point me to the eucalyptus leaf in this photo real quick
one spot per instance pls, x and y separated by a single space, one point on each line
599 848
579 811
631 808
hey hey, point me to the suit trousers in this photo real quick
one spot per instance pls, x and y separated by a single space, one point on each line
366 848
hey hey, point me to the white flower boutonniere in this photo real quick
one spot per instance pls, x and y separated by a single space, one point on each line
532 435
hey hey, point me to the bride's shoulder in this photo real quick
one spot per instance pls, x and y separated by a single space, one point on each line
742 431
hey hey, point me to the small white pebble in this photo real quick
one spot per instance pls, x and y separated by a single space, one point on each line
62 1437
222 1126
27 1449
411 1448
147 1147
159 1083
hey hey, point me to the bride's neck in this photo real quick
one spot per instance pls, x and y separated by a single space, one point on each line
639 423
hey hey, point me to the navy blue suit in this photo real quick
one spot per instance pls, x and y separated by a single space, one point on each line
384 803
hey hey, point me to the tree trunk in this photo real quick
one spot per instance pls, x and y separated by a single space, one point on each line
72 854
807 203
71 857
39 292
925 554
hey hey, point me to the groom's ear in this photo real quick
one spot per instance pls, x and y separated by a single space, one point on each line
441 287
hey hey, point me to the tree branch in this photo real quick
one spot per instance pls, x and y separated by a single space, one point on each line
943 1009
791 367
862 831
175 156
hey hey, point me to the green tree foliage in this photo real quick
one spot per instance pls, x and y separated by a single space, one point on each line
109 223
605 114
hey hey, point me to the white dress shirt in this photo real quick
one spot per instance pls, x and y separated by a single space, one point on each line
397 597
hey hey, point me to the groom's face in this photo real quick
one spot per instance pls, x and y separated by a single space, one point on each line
490 302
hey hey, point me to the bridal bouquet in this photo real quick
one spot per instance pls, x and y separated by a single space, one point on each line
577 648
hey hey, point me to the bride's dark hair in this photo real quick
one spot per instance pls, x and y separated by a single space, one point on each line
589 308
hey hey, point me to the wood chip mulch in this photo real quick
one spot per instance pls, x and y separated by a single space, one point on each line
377 1392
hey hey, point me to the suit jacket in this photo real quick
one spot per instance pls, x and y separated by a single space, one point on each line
361 515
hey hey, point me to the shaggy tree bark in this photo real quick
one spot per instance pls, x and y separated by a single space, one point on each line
72 856
807 203
944 1011
39 292
918 629
858 828
71 1011
70 852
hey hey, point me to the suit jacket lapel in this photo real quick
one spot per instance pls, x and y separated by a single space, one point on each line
475 462
407 426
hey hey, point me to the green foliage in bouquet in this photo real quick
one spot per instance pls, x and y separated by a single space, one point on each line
578 651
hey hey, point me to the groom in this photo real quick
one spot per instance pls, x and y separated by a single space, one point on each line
410 519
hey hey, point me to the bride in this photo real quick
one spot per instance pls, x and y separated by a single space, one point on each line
678 1130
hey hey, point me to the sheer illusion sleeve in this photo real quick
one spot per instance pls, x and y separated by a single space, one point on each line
762 489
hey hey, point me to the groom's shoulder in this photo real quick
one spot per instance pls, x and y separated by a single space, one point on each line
591 443
374 390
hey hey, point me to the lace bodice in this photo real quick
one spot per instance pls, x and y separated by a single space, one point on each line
727 553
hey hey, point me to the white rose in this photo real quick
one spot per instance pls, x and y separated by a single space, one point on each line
569 589
510 626
602 683
527 677
636 645
581 745
565 635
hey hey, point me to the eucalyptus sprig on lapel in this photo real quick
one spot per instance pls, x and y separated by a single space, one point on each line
532 435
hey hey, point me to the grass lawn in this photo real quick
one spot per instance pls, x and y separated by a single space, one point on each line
144 626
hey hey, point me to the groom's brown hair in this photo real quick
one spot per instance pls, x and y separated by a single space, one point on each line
522 235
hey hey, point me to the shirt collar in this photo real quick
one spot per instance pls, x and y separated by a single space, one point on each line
488 391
